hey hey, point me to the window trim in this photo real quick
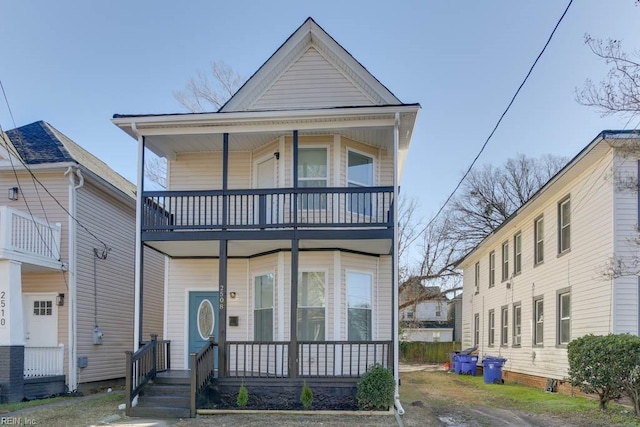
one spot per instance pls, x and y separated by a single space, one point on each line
505 261
491 341
273 301
326 298
563 202
559 294
517 253
371 289
517 338
492 269
504 328
538 258
536 300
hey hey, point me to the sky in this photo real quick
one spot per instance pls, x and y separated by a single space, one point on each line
76 63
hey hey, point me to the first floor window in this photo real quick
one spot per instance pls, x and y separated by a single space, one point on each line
564 318
476 330
359 310
311 305
263 308
538 318
504 323
517 325
492 327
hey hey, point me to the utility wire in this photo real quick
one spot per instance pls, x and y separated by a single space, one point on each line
495 128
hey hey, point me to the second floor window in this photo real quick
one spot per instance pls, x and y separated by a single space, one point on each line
517 253
313 172
360 174
477 277
538 235
564 225
505 261
492 269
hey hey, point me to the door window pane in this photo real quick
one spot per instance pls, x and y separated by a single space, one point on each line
359 301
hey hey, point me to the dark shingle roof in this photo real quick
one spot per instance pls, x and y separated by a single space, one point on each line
41 143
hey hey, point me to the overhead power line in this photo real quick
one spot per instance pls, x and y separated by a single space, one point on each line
495 128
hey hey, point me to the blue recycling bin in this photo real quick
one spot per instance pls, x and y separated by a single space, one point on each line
468 364
492 369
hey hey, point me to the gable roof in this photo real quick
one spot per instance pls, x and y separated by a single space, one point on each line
294 69
40 143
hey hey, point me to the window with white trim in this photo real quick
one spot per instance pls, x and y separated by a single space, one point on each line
564 318
359 311
313 171
311 306
263 308
359 174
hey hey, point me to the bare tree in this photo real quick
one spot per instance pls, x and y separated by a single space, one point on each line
209 90
619 91
491 194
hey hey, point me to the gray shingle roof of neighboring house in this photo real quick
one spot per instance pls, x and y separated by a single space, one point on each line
40 143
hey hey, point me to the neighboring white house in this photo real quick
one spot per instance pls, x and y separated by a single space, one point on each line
67 239
562 266
279 220
424 315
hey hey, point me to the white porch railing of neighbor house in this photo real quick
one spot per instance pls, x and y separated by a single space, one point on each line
43 361
20 233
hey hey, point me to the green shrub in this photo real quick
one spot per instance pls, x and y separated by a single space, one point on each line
596 364
243 396
376 388
306 397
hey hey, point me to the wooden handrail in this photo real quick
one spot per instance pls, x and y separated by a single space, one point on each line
143 366
202 370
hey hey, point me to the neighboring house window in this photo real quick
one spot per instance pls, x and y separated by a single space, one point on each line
438 310
408 314
517 325
436 336
360 174
538 319
492 269
263 311
477 277
517 253
538 235
311 313
359 311
312 172
564 225
492 327
564 317
505 261
504 326
476 330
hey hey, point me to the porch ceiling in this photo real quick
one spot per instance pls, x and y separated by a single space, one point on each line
245 248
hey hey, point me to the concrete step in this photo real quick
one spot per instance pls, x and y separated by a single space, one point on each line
160 412
178 401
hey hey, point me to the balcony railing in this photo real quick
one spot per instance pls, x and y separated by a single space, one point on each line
43 361
280 208
316 359
27 237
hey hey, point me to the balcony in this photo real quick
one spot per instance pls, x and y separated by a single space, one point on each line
321 210
28 239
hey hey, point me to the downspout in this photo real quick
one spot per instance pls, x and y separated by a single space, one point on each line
138 252
70 173
396 338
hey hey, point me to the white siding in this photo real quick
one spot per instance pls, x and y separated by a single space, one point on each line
311 82
579 270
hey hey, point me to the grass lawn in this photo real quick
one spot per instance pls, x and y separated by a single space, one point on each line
441 390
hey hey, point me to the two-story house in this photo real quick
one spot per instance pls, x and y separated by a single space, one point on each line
67 240
280 222
424 314
562 266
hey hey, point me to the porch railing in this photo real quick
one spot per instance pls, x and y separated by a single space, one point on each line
202 370
348 207
330 359
143 365
43 361
21 233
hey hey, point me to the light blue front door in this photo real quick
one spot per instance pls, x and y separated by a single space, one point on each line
203 321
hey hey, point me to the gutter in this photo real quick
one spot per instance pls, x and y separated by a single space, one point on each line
71 173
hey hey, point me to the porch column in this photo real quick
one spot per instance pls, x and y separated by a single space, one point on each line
293 345
11 332
139 248
222 265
